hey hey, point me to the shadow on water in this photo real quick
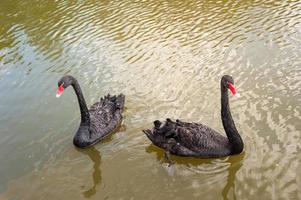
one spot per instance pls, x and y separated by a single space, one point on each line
94 155
234 163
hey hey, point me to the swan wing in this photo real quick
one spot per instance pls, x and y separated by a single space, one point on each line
188 139
105 115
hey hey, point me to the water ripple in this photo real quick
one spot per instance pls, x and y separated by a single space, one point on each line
167 57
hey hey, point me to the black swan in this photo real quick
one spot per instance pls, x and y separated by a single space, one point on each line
197 140
100 120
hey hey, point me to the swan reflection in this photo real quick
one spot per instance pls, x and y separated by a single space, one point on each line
94 155
235 164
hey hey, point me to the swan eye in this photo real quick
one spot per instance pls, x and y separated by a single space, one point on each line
59 91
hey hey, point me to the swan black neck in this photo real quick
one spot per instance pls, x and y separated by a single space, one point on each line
228 123
85 116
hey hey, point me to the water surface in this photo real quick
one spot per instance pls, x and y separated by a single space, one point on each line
168 58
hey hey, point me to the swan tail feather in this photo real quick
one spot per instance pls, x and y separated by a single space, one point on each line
120 99
162 132
157 124
149 134
155 137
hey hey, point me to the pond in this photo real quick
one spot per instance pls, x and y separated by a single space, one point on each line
167 57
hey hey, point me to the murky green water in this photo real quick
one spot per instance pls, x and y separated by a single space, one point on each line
168 58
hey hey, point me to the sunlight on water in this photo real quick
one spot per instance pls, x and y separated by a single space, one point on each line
167 57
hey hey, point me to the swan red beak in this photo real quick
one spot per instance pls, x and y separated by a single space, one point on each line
59 91
233 90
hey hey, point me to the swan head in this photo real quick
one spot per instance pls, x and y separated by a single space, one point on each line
63 83
228 82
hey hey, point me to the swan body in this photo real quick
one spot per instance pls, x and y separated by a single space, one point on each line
100 120
198 140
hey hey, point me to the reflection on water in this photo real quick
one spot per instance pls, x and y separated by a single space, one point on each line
168 58
231 166
95 157
235 165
